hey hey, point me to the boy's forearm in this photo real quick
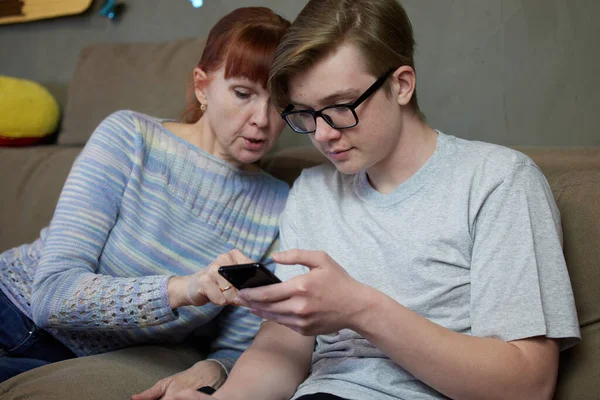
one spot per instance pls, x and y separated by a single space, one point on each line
272 368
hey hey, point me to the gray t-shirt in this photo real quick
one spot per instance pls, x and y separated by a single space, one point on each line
472 242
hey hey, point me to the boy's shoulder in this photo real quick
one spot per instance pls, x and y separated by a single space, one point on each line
490 158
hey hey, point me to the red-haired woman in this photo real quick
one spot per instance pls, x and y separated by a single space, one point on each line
149 211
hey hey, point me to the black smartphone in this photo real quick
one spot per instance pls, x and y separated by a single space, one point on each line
245 276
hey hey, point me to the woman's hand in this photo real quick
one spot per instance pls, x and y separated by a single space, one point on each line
206 285
322 301
203 373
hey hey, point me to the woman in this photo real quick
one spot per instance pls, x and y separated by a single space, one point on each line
147 207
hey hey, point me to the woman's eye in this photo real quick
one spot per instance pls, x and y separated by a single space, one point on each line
242 95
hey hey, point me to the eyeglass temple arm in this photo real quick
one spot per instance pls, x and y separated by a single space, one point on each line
378 83
286 110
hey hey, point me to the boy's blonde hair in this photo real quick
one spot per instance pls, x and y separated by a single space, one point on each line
380 29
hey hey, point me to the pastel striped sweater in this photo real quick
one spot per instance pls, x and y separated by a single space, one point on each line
141 205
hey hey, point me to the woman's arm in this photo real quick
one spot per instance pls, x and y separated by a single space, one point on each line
67 290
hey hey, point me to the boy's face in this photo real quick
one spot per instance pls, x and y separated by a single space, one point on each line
341 78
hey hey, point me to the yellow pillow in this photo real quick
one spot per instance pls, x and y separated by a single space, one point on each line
28 112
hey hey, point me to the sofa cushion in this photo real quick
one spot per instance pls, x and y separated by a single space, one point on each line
114 375
151 78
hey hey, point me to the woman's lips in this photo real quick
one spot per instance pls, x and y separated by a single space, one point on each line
254 144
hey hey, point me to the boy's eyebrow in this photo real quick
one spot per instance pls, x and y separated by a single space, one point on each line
331 98
340 94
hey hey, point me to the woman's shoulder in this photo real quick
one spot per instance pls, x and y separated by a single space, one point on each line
129 121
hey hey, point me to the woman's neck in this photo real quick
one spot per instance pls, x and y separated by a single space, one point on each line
200 135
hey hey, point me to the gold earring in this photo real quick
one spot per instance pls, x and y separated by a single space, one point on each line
202 107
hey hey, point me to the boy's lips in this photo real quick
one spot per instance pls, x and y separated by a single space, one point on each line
338 154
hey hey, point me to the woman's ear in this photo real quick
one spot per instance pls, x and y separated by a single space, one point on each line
200 84
405 81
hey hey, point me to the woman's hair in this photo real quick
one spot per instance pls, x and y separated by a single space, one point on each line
244 42
380 29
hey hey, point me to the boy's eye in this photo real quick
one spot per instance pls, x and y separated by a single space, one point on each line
241 94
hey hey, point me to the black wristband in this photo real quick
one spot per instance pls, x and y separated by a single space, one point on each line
207 390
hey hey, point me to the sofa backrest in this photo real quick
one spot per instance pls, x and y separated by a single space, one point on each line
151 78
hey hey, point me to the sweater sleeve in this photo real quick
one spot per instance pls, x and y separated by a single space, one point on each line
67 291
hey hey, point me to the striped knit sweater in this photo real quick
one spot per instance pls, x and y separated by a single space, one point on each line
141 205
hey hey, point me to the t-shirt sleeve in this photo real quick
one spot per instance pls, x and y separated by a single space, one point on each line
520 286
289 238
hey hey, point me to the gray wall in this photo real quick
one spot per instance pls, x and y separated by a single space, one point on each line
514 72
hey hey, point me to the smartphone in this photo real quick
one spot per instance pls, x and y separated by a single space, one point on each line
245 276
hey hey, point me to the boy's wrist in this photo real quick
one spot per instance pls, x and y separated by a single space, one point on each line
365 316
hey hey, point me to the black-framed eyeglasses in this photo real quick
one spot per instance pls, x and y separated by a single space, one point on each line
338 116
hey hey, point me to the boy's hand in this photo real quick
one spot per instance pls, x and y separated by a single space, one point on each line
322 301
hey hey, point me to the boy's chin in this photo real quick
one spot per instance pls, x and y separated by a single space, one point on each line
347 168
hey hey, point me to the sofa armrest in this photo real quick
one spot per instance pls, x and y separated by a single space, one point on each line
31 180
577 194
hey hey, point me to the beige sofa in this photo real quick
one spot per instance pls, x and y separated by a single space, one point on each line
152 78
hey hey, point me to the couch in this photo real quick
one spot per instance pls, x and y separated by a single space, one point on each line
153 78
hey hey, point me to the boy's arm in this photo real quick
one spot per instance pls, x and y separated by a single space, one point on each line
272 368
461 366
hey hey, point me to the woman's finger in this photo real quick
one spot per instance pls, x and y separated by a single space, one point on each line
224 259
239 258
215 293
227 289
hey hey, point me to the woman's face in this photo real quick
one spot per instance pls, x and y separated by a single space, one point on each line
240 120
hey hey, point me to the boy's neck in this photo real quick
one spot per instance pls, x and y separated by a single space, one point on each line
416 144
